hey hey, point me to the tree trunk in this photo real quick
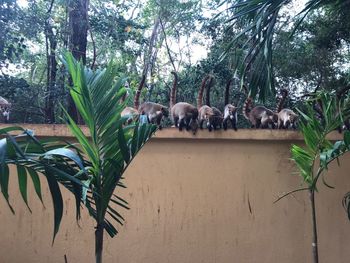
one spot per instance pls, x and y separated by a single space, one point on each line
167 46
78 24
314 227
148 58
51 44
51 81
152 64
99 242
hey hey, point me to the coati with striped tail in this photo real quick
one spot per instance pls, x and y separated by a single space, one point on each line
218 118
230 111
259 116
182 113
154 111
205 112
130 112
286 117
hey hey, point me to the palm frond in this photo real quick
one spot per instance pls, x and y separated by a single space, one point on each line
113 145
258 20
90 169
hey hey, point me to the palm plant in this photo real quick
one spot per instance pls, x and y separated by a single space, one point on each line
90 169
258 20
312 160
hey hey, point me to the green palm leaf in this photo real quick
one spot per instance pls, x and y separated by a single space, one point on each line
92 169
258 20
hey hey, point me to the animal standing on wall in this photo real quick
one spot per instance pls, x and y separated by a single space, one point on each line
217 118
205 112
286 117
5 107
259 116
154 111
183 114
130 112
230 111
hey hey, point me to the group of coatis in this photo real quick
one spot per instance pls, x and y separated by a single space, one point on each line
186 115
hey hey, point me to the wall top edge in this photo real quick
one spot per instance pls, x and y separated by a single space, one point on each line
61 130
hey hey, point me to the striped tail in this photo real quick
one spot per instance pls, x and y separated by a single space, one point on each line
284 94
138 92
201 91
247 107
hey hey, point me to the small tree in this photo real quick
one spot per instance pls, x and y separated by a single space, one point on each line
90 169
312 160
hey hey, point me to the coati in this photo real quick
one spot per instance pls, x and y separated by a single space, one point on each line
230 111
5 109
182 113
217 118
154 112
205 112
286 117
185 115
131 113
259 116
230 115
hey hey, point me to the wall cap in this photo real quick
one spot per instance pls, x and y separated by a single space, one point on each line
61 130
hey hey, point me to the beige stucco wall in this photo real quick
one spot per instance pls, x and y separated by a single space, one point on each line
205 199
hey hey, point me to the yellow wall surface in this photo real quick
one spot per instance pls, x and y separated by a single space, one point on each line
205 199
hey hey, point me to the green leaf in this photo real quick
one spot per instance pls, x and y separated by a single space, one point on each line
22 182
123 146
36 182
57 201
11 128
134 142
4 183
347 138
67 153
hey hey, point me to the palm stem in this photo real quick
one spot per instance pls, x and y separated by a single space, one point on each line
99 242
314 227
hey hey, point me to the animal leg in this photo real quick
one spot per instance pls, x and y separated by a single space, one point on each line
176 121
181 124
225 124
201 124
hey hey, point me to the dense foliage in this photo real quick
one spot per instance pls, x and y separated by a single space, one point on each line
148 39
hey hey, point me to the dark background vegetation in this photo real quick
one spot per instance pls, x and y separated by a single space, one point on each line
143 39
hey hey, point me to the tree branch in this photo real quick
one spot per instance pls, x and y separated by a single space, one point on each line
166 44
